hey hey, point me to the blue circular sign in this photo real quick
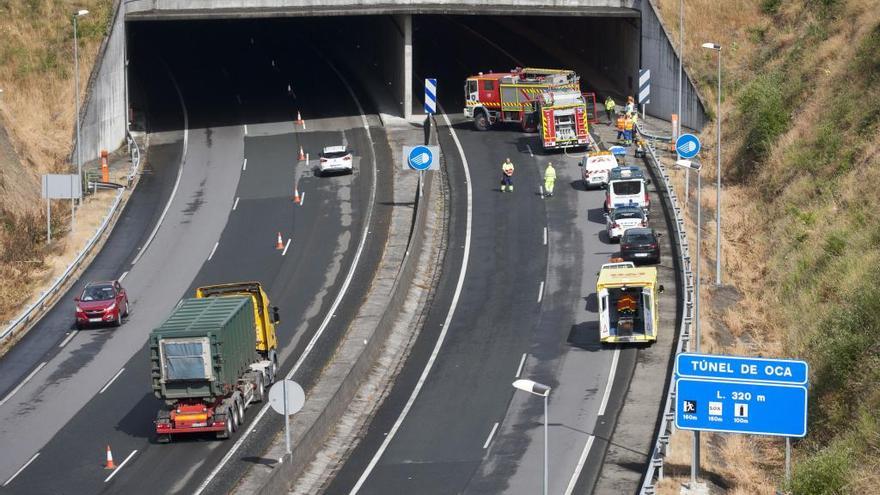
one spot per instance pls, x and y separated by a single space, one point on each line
687 146
420 158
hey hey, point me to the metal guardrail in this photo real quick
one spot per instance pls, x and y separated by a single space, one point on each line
35 309
654 472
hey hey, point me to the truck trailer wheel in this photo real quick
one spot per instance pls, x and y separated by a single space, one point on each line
239 404
223 435
481 121
259 389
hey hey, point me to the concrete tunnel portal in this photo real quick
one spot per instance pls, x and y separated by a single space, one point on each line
237 71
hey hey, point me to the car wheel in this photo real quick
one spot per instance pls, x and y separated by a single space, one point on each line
118 321
79 326
125 313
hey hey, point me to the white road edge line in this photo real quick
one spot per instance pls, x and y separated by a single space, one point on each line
580 465
119 467
442 337
244 164
522 362
610 383
302 198
68 338
112 380
26 379
541 291
235 205
122 277
179 169
545 236
28 463
491 434
286 245
213 250
245 129
330 312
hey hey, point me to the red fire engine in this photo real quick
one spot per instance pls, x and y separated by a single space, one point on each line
563 119
512 96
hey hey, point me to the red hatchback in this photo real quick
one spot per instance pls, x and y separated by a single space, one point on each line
101 302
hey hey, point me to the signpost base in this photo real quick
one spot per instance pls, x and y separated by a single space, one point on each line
698 488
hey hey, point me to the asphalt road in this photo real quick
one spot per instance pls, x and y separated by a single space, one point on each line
221 226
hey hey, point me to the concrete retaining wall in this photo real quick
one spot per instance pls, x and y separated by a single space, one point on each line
661 57
103 114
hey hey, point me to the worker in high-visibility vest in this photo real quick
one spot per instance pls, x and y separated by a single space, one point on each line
626 304
630 105
609 108
507 175
628 130
549 179
621 121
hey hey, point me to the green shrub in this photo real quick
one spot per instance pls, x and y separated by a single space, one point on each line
825 473
770 7
764 112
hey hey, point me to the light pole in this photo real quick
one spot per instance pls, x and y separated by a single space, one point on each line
540 390
688 165
716 47
77 15
680 56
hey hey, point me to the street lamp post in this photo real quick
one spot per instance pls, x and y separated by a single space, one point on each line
717 48
77 15
688 165
540 390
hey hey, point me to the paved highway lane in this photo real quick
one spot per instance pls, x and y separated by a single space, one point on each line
118 407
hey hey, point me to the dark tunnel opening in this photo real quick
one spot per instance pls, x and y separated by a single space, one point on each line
232 72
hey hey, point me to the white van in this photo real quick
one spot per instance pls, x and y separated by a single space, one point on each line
627 186
597 165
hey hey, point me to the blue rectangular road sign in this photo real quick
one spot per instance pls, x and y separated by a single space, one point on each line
741 407
709 366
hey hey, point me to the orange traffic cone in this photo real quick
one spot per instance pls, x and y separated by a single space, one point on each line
299 119
278 245
109 464
302 155
296 198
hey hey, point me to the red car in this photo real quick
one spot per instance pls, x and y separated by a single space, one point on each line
101 302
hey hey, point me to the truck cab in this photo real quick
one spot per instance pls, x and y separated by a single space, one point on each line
627 300
267 342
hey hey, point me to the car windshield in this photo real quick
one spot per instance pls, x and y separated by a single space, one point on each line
621 214
335 154
627 187
638 237
98 293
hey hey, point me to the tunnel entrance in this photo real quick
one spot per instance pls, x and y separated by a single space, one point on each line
242 71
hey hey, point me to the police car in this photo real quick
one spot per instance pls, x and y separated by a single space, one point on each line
627 186
622 218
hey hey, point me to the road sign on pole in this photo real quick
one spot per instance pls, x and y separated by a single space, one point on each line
741 407
687 146
422 157
644 86
719 367
431 96
287 397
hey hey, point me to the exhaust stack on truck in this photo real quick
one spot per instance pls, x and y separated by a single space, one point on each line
211 359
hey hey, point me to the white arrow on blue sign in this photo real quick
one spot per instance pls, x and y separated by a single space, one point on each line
687 146
431 96
422 157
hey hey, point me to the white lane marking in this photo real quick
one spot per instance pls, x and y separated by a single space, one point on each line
530 151
491 434
213 250
541 191
610 383
28 463
26 379
332 310
442 337
179 170
119 467
522 363
244 164
245 129
541 291
122 277
235 205
545 236
286 245
302 199
112 380
580 466
68 338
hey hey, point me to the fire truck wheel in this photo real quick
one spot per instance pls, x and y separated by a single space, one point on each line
163 438
481 122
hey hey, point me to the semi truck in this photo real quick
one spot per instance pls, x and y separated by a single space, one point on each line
627 298
214 356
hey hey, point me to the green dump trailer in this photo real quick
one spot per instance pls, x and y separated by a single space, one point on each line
205 367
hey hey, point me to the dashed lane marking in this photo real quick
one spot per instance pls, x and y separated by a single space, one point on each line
522 362
491 434
68 338
119 467
214 250
286 245
28 463
112 380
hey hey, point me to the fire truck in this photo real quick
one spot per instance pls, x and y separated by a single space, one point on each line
563 119
512 96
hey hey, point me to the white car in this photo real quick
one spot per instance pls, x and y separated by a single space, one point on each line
335 159
622 218
597 166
